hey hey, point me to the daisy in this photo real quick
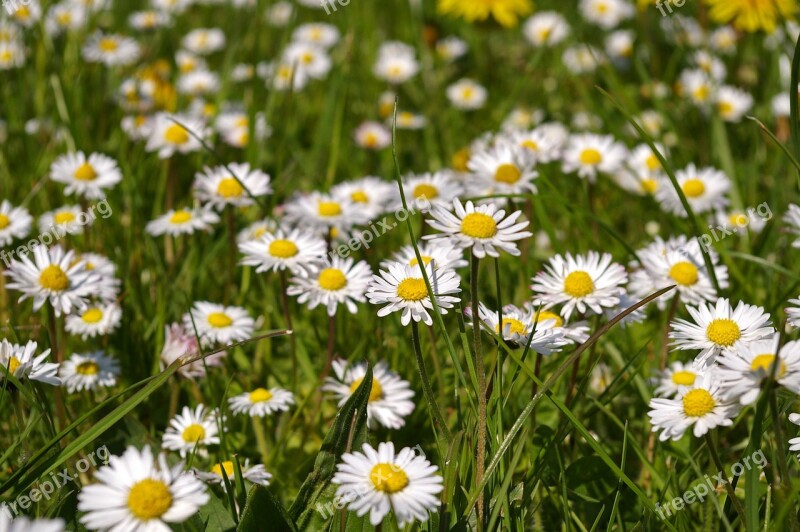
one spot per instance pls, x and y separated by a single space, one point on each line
794 443
324 212
740 219
256 230
261 402
372 136
575 332
318 33
136 492
467 95
451 48
204 41
409 120
719 327
198 83
402 288
182 222
137 127
732 103
619 45
178 133
582 59
505 168
370 194
21 362
256 474
180 343
484 228
12 55
378 481
588 154
9 523
53 276
89 371
642 173
218 324
437 188
701 406
335 281
15 222
676 378
190 430
582 283
389 398
793 313
395 69
540 145
607 14
25 13
438 254
148 20
86 176
97 320
217 187
704 188
792 219
68 219
741 372
284 76
64 17
110 49
295 250
546 28
518 329
309 58
108 286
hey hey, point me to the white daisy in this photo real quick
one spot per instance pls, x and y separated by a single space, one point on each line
9 523
396 63
98 320
676 378
26 14
182 222
546 28
22 362
701 406
379 481
582 59
606 13
15 222
319 33
178 133
198 83
204 41
704 188
256 230
389 398
792 220
484 228
576 332
451 48
336 281
85 176
296 251
284 76
437 188
589 154
732 103
505 168
63 17
323 212
741 372
148 20
309 58
180 343
190 430
217 187
696 85
218 324
372 136
518 326
370 194
134 492
68 219
401 287
261 402
438 254
89 371
110 49
53 276
794 443
12 55
719 327
541 145
256 474
582 283
793 313
467 94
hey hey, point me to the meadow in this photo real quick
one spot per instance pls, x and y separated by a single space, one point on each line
406 265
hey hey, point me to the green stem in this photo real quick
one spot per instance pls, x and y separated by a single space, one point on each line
480 368
438 419
712 450
783 488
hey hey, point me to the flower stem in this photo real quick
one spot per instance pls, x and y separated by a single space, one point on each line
480 368
712 449
783 487
287 318
438 419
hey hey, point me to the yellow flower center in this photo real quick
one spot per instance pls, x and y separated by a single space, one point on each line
693 188
13 365
649 185
180 217
698 403
149 499
229 188
545 315
359 196
652 163
176 134
723 332
725 108
226 465
412 289
388 478
766 362
425 191
87 368
329 208
54 278
460 160
701 93
507 173
478 225
193 433
93 315
591 157
684 378
283 249
85 172
108 45
425 260
530 145
219 320
514 326
332 279
375 393
684 273
4 221
260 395
64 217
578 284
